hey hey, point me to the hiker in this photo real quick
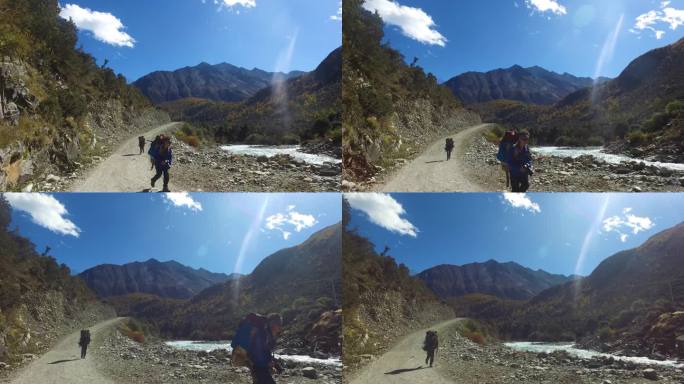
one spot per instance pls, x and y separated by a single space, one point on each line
448 147
253 346
84 341
162 163
141 144
520 163
430 346
154 148
505 147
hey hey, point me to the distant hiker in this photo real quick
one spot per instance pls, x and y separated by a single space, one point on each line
520 163
154 149
253 346
448 147
84 341
141 144
162 163
505 149
430 346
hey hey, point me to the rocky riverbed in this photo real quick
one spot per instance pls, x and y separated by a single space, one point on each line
580 174
469 362
155 362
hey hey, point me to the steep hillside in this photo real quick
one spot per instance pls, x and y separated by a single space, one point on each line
169 279
381 300
297 110
642 109
302 283
39 299
533 85
56 104
220 82
391 110
503 280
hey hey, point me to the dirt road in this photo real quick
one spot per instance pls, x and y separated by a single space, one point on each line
125 170
63 363
431 172
405 362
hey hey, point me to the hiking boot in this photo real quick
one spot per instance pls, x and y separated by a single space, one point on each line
166 189
152 181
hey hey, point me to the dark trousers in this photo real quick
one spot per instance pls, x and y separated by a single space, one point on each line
520 183
162 169
430 357
448 154
84 347
262 375
142 148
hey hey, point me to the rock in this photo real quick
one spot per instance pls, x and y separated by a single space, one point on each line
650 374
349 185
262 159
52 178
3 365
28 188
28 356
636 189
309 372
681 181
622 170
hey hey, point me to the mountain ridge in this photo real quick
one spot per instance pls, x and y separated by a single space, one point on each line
507 280
534 85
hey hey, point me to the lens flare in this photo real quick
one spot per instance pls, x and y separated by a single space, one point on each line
246 241
606 54
593 230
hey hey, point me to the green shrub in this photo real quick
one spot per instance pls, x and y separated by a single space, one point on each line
656 122
675 108
637 137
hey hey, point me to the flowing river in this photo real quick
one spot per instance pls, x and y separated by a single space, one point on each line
570 348
599 154
209 346
270 151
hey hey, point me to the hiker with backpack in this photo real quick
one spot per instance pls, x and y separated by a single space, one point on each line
253 346
449 147
141 144
505 149
154 148
430 345
84 341
520 163
162 163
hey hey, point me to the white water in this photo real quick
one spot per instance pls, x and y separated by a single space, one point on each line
570 348
270 151
213 345
598 153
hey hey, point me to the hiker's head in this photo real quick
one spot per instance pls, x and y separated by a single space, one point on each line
524 137
275 322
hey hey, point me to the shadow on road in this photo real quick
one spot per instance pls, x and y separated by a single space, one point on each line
132 154
399 371
63 361
436 161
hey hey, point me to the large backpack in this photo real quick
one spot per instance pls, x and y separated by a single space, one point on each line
429 342
85 337
449 143
243 337
506 145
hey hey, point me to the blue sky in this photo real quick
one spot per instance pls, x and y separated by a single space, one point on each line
561 233
221 232
138 37
581 37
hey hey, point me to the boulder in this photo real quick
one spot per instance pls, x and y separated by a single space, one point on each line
650 374
310 373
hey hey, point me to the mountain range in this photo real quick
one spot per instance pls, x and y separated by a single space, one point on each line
220 82
168 279
643 107
504 280
301 282
296 110
534 85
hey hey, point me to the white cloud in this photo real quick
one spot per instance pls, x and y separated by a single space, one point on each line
104 26
233 4
413 22
338 15
628 222
653 20
45 211
544 6
382 210
297 221
183 199
520 200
